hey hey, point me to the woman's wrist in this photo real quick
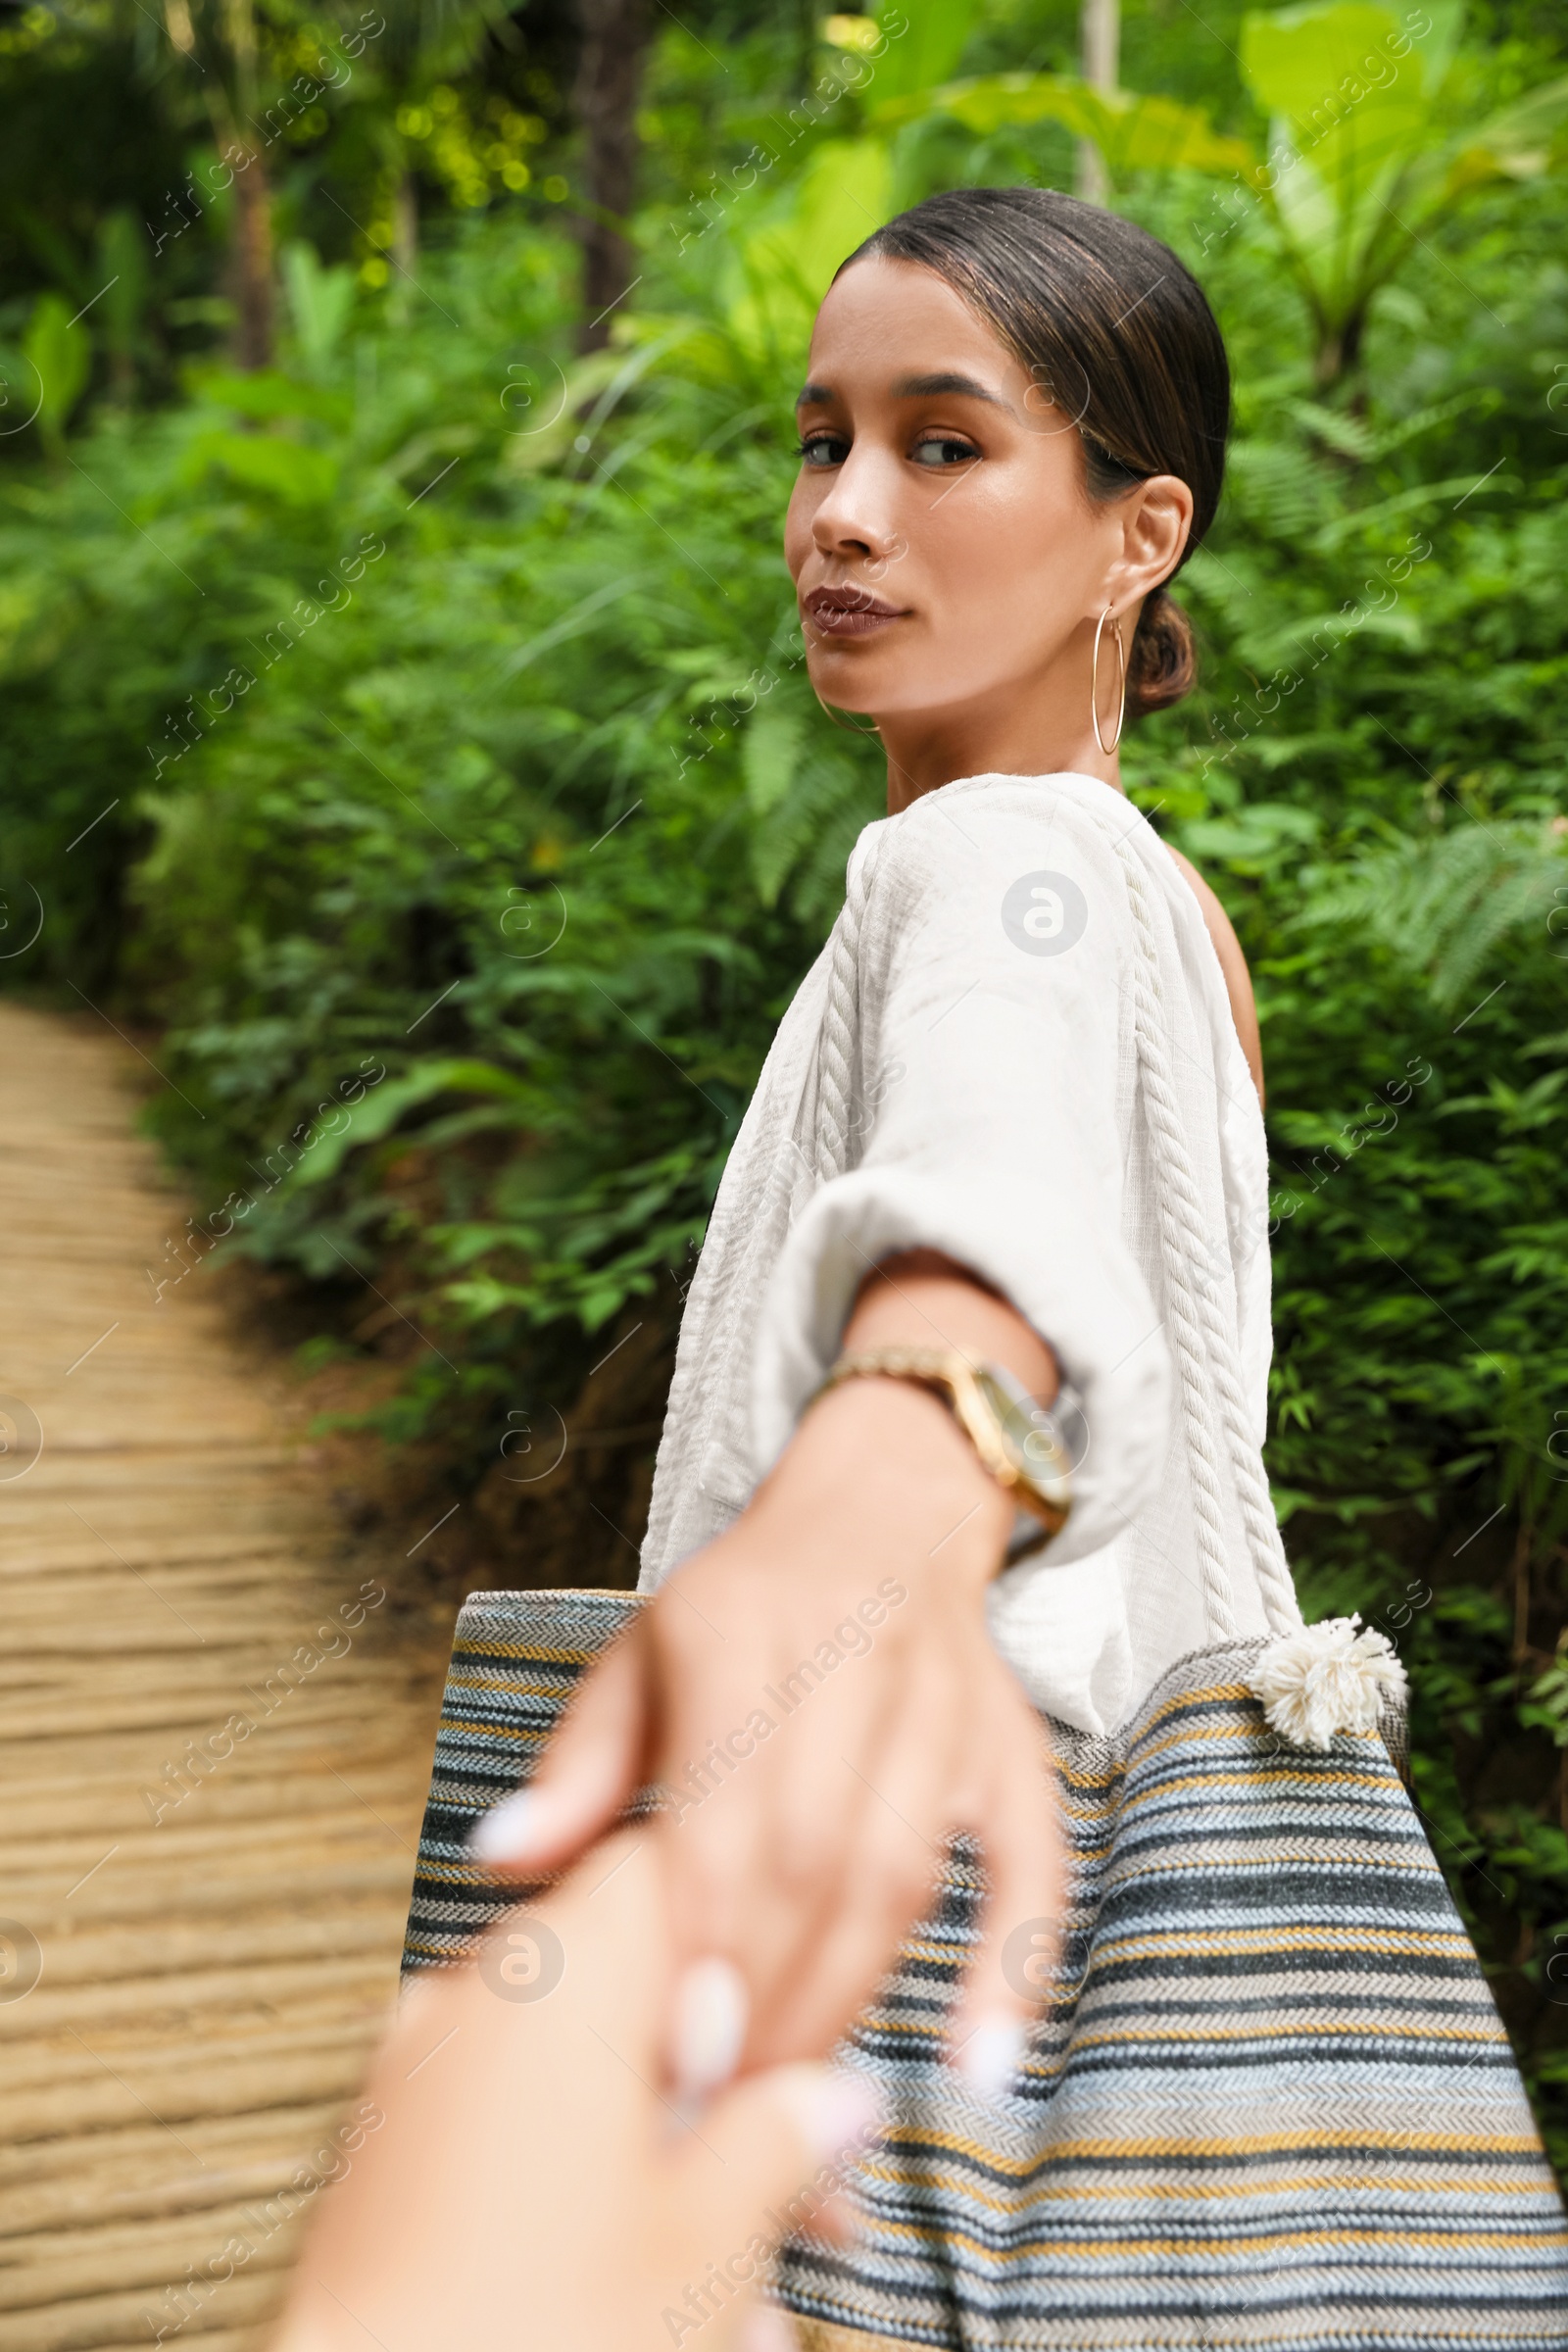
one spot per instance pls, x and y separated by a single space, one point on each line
920 1298
882 1460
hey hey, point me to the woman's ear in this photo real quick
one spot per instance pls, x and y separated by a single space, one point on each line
1158 517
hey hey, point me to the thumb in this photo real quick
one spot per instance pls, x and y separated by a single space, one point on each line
590 1770
767 2158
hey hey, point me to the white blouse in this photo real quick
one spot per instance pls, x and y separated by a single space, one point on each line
1017 1049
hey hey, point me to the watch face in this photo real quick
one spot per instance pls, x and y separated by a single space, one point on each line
1037 1445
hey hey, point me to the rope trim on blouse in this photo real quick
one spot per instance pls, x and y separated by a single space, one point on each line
835 1075
1204 1354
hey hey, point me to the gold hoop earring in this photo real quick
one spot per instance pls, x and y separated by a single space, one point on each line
847 724
1121 686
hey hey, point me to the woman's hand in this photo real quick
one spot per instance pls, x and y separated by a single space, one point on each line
818 1692
517 2180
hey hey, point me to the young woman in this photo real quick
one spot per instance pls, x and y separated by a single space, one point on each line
1012 436
1012 1120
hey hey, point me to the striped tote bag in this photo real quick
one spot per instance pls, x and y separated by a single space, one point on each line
1268 2101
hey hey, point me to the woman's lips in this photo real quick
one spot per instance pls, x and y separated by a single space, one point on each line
848 612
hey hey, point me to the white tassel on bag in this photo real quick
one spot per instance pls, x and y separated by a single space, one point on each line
1326 1679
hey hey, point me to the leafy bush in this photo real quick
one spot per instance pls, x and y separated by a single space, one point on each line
436 681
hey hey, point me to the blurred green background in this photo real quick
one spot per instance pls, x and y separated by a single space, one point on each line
404 736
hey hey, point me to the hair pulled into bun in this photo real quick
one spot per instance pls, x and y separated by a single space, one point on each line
1118 335
1162 659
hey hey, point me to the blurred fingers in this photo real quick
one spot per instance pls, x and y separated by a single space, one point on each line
711 2009
767 2329
848 1963
772 2151
882 1884
589 1772
1014 1969
761 1866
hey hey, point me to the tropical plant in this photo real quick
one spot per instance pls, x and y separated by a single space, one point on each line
1378 133
57 356
1375 140
798 205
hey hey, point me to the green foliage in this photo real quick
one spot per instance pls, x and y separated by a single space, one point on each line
55 353
1373 139
931 39
1134 131
320 304
787 239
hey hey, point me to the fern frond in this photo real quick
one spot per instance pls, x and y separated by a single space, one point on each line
1443 905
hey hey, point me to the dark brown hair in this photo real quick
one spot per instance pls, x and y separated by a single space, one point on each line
1117 333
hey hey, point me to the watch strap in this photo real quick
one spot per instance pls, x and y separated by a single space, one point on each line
1042 1486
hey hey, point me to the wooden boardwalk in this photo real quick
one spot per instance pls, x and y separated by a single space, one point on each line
216 1909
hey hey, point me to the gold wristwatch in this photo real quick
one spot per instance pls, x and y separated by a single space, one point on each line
1017 1438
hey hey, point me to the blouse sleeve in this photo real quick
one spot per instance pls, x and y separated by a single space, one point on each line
995 1097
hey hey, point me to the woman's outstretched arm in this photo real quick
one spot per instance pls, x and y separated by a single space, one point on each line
831 1704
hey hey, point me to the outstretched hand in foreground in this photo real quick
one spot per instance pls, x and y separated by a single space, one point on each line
527 2185
819 1692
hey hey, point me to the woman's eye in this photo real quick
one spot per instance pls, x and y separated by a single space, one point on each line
824 448
940 449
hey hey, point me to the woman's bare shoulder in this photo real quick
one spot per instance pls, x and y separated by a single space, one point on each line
1233 964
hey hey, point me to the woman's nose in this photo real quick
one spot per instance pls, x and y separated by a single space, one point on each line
857 516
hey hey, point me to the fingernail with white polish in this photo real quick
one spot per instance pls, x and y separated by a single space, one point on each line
991 2055
768 2329
836 2112
508 1830
712 2009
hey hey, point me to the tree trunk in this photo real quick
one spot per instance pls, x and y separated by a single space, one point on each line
251 263
1100 33
405 254
608 83
1339 353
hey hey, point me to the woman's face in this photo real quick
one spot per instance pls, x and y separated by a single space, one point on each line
945 551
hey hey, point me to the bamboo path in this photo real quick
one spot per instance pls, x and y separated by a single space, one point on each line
214 1963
